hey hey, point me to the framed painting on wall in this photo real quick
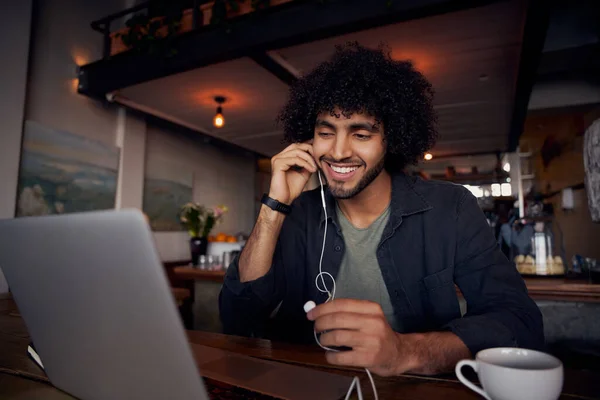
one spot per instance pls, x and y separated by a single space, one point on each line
166 189
61 172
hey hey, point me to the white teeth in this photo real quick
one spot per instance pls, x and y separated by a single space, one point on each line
343 170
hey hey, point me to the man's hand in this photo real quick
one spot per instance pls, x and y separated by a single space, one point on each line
361 325
290 170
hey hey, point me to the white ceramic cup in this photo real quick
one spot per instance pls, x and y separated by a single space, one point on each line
508 373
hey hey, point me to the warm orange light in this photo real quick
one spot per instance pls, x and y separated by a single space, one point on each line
423 62
219 121
80 56
74 84
428 156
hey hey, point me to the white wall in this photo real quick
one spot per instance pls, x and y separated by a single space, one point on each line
131 139
219 178
62 40
14 44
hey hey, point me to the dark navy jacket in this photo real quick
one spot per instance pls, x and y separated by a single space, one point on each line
436 237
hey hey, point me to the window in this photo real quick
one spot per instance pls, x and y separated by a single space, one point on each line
496 190
506 189
476 190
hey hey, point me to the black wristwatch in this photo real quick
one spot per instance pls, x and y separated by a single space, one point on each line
276 205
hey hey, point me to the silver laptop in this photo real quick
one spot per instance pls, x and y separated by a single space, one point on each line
94 296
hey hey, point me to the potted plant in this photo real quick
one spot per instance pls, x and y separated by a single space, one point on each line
199 221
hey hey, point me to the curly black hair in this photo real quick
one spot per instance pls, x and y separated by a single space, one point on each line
358 79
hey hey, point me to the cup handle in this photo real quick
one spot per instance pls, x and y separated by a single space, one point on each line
465 381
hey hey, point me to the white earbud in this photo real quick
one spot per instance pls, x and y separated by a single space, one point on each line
322 194
309 306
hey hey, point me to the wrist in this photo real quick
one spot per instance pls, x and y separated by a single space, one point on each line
276 205
410 352
270 218
282 199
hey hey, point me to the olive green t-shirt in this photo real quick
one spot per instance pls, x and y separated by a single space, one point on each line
360 276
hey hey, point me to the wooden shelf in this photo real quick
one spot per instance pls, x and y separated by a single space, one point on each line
540 288
560 289
547 288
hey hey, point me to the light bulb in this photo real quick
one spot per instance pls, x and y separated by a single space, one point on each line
428 156
219 121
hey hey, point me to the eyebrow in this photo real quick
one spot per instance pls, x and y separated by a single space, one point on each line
359 126
364 126
326 124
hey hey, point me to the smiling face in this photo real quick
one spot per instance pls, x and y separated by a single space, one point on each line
350 151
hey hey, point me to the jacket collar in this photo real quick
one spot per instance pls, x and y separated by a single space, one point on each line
405 199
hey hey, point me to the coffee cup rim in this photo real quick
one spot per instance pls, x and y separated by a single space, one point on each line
478 358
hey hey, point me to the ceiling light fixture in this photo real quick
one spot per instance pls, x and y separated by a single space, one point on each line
428 156
219 120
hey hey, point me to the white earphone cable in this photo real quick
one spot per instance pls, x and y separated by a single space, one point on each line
331 296
321 273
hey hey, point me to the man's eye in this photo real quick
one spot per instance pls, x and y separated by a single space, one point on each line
362 137
325 134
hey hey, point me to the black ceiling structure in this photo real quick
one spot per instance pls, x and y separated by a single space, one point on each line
249 35
302 21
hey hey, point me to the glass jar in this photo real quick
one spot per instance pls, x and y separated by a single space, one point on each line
216 264
533 247
202 262
547 260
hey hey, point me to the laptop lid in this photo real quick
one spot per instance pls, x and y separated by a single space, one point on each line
94 296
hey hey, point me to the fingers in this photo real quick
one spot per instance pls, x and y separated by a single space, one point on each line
350 358
283 161
306 147
345 306
343 337
345 320
304 151
284 164
303 155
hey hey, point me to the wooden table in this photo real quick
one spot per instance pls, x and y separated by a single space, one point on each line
195 274
33 384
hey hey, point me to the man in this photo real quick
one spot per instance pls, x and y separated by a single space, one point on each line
396 245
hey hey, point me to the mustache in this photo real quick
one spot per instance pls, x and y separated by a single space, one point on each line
346 161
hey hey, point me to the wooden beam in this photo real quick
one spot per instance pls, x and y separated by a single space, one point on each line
268 63
534 36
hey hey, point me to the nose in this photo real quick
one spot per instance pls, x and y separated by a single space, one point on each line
341 148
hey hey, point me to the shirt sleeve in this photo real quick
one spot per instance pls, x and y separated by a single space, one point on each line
500 312
245 308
